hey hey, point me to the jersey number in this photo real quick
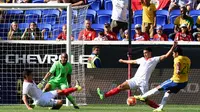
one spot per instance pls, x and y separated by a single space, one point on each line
185 68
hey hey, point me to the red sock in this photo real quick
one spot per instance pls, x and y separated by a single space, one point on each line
112 92
152 104
68 91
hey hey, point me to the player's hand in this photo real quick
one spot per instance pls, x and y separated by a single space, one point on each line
29 108
121 60
40 85
175 43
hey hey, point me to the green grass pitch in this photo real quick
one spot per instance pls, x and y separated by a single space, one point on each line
103 108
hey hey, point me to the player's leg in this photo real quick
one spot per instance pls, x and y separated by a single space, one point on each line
144 88
51 85
70 97
170 88
122 87
57 106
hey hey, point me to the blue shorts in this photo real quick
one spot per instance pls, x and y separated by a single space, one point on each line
172 86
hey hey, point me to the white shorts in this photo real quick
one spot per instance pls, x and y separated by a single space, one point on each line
47 99
142 85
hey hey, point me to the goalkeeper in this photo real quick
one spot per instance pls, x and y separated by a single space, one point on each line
60 77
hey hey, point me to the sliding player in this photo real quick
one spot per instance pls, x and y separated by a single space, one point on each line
43 99
141 78
176 83
60 74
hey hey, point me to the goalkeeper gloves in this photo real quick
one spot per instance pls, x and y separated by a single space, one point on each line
41 84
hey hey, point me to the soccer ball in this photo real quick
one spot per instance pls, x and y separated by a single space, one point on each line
131 101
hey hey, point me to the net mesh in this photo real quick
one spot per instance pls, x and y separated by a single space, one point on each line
39 56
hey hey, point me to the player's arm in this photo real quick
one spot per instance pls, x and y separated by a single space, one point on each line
24 98
178 68
46 77
128 61
69 75
69 79
169 52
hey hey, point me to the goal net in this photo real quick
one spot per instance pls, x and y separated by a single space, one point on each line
20 50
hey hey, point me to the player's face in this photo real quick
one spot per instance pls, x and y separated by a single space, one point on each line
87 24
175 54
30 77
64 29
96 51
147 54
64 59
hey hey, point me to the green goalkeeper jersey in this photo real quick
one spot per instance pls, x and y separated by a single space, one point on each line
60 72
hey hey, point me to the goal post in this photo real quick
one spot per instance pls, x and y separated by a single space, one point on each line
39 55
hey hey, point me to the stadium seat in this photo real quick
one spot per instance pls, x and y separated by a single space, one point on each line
5 25
4 33
51 12
168 28
95 5
23 26
9 18
38 12
104 16
63 19
195 12
91 15
42 26
32 18
98 27
161 17
172 18
137 18
173 14
38 1
108 5
138 12
49 19
47 27
55 34
57 26
14 12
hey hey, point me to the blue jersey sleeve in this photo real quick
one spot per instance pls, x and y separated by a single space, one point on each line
97 63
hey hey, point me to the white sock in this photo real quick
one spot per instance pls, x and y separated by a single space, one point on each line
164 100
150 93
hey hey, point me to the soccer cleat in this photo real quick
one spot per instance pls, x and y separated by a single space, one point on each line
139 97
76 107
101 95
158 110
79 88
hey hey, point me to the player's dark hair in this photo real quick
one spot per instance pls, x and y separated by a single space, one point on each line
93 48
26 73
178 50
148 49
65 54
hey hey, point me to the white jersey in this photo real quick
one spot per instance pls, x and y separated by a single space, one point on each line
31 90
145 69
120 10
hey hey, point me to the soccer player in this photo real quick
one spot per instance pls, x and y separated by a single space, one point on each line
176 83
60 74
43 99
141 78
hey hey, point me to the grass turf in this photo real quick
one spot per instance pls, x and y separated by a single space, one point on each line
103 108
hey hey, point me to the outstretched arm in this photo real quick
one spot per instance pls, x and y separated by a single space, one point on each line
169 52
24 98
128 61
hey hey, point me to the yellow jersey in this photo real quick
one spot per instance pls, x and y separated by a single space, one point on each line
184 69
148 13
188 21
198 20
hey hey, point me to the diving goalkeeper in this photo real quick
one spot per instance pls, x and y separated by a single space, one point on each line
60 77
